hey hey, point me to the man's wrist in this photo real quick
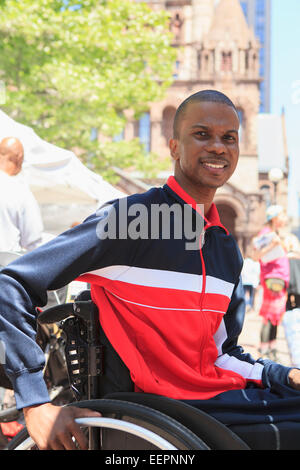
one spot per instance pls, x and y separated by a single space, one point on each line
27 409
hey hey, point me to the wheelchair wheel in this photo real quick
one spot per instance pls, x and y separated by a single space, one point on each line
126 426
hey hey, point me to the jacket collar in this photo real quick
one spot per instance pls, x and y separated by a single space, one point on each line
211 218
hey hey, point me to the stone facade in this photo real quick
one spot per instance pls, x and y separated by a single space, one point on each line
217 50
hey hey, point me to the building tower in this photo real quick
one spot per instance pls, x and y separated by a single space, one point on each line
258 16
228 60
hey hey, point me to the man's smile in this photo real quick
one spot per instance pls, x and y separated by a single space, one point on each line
214 167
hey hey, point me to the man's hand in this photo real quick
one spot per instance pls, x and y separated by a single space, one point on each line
52 427
294 378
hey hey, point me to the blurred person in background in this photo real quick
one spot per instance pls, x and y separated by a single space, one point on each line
250 278
20 219
270 251
292 245
20 229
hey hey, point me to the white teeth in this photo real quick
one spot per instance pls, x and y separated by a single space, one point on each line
214 166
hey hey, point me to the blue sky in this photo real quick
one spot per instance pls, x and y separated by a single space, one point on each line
285 83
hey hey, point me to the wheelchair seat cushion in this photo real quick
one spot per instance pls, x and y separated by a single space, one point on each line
266 419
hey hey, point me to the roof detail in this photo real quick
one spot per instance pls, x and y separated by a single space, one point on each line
229 23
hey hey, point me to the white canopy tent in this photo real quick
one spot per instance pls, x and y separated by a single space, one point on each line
57 178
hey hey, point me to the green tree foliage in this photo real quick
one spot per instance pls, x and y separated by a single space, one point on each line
70 66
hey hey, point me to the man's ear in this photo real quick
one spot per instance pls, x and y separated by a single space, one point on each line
173 145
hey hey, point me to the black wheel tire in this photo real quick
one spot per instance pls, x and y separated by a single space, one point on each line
18 440
149 419
153 420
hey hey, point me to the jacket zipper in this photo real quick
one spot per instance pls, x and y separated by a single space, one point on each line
202 313
187 199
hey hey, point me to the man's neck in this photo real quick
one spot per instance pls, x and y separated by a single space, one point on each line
203 196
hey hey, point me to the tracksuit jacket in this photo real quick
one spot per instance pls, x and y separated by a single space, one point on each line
173 314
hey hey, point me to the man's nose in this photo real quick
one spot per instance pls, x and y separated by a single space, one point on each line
216 145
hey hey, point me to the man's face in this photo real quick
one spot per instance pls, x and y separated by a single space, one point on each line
15 158
207 148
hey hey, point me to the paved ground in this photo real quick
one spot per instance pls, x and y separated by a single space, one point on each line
249 338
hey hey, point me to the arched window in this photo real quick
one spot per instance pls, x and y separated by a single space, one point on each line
247 60
199 57
176 26
176 72
144 131
226 64
206 64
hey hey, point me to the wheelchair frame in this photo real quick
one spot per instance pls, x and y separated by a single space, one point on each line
130 420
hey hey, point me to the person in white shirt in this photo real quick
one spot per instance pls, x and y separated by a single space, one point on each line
21 224
250 278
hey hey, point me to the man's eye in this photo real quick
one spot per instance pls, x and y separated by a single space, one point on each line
229 137
201 133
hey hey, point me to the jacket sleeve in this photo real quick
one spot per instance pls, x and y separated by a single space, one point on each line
23 287
263 372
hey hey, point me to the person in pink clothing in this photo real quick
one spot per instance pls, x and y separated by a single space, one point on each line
274 277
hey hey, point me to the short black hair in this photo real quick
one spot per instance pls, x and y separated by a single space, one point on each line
208 96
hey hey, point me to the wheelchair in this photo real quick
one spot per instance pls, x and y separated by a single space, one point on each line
99 380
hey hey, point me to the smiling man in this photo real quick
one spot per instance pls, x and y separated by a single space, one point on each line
173 314
205 146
